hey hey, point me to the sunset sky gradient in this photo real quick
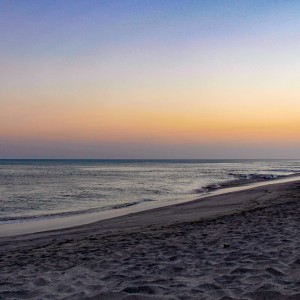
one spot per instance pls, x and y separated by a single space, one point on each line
149 79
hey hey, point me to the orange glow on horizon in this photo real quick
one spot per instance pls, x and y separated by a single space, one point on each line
109 124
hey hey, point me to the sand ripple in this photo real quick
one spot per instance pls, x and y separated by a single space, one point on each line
251 255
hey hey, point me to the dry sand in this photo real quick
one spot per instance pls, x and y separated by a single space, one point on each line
242 245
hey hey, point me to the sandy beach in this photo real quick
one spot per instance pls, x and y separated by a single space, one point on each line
241 245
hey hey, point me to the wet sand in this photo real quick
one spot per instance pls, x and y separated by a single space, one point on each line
242 245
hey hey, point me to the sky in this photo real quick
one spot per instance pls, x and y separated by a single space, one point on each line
149 79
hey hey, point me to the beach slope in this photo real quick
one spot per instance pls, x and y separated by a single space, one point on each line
242 245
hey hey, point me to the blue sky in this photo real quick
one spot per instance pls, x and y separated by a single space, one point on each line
128 78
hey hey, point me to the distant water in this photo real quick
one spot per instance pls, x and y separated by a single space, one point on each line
37 189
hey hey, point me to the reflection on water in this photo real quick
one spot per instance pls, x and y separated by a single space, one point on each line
31 189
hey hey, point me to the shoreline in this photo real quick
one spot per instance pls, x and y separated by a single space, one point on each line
219 203
56 224
239 245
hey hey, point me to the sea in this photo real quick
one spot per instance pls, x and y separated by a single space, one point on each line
46 189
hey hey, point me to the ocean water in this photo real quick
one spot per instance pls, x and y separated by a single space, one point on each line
39 189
